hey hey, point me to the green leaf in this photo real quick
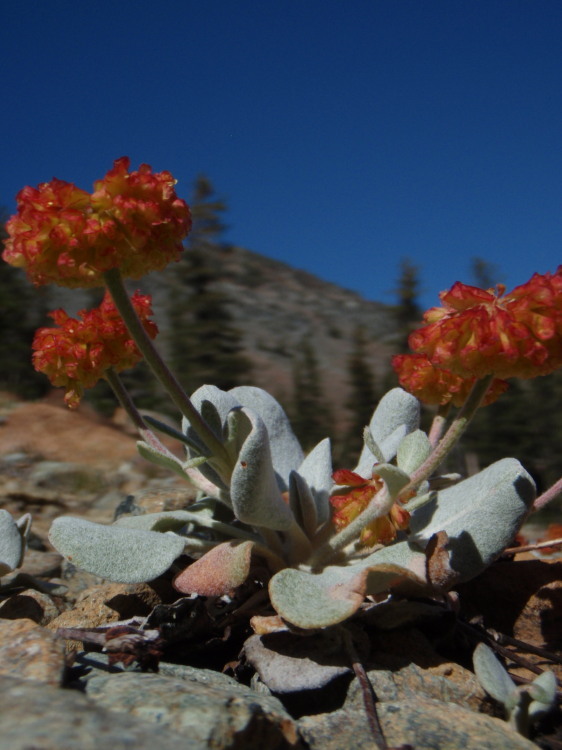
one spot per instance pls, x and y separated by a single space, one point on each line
115 552
481 515
176 520
491 675
218 572
543 692
286 452
413 451
397 414
317 600
313 482
12 541
161 458
254 491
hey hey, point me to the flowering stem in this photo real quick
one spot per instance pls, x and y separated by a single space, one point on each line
451 437
122 302
547 496
438 425
379 506
128 405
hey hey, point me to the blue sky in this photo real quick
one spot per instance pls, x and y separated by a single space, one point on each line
345 136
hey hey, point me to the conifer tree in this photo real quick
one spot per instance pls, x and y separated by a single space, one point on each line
407 311
311 415
205 346
22 310
362 398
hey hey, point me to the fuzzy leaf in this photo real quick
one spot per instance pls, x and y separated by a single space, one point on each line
481 515
218 572
394 478
543 692
397 414
315 473
221 402
12 541
288 663
413 451
286 451
115 552
175 520
318 600
491 675
254 491
167 459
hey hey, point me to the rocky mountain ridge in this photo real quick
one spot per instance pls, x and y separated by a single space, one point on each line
276 308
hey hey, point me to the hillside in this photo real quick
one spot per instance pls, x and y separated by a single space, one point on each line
276 307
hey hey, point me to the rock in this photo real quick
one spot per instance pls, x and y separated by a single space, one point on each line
212 716
43 564
30 652
404 665
40 717
30 604
105 603
288 663
522 599
68 478
423 723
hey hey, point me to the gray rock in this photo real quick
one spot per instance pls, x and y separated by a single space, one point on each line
424 724
211 716
30 652
411 681
41 717
67 477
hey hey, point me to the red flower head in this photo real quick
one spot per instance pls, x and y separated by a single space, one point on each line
435 385
479 332
77 353
133 221
354 501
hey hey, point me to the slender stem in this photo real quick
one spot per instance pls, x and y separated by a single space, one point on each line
122 302
369 697
379 506
128 405
451 437
438 425
546 497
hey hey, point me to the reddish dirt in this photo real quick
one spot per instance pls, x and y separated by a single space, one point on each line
55 433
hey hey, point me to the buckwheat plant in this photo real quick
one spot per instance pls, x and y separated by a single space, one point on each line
322 541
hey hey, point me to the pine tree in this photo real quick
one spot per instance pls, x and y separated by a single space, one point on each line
485 274
362 399
22 311
205 346
311 415
407 312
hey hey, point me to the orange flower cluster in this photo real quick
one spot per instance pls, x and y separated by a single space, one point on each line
133 221
356 497
435 385
478 332
77 353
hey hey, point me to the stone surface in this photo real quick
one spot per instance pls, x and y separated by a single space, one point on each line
403 665
424 724
40 717
522 599
411 682
29 604
30 652
211 716
106 603
40 563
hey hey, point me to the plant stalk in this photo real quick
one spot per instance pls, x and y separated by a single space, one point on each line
451 437
123 303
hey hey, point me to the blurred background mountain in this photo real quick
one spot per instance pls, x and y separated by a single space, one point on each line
229 316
